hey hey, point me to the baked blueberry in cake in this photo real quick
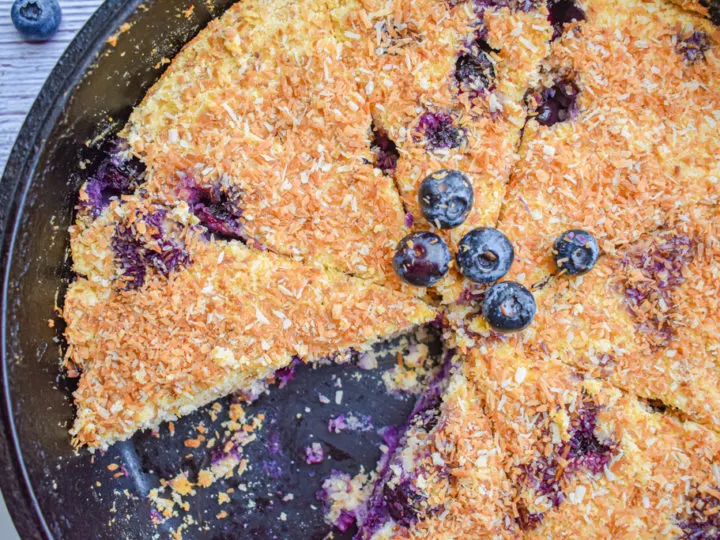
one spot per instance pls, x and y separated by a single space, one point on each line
540 180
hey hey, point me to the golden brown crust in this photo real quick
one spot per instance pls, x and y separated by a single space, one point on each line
224 322
599 420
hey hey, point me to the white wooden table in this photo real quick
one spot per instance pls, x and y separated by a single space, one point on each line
25 66
23 70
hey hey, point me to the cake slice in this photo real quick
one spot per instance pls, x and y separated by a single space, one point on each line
446 84
621 131
261 114
588 460
443 461
182 319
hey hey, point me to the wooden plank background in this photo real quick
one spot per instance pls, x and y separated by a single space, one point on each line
23 70
25 66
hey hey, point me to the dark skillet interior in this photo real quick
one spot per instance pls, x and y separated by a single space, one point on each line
53 492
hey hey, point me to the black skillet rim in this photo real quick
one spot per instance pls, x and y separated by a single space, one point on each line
14 481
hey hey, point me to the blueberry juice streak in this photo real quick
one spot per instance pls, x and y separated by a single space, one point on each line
397 498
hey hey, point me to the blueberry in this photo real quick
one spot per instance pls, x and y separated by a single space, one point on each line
421 259
509 307
474 68
440 131
485 255
576 252
557 103
562 12
36 20
693 47
446 197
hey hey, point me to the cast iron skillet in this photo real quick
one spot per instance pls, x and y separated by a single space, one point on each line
52 492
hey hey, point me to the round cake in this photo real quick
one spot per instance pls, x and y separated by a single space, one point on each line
247 218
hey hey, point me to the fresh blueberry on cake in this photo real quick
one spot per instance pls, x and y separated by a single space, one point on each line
421 259
446 198
509 307
485 255
576 252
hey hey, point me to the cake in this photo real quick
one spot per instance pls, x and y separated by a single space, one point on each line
247 216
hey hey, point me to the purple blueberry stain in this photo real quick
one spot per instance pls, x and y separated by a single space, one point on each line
692 47
385 150
440 131
582 452
471 295
155 516
409 220
337 424
158 250
528 520
661 267
345 520
220 454
558 103
271 468
585 449
562 13
396 496
273 444
702 520
314 453
284 375
403 502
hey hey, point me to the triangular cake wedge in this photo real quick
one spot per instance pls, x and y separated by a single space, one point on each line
261 107
182 319
630 135
645 318
519 446
446 83
586 459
